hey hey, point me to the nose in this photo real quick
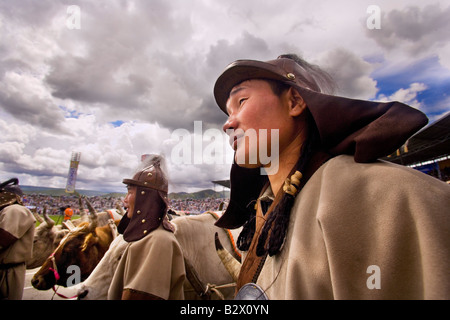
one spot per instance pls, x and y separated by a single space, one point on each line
125 201
35 282
39 283
230 124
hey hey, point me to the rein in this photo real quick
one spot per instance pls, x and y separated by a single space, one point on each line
63 296
55 268
57 277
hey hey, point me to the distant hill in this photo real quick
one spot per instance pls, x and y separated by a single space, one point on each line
203 194
59 191
208 193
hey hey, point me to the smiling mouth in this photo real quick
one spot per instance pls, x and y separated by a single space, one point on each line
235 140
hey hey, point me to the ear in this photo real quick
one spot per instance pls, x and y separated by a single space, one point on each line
296 103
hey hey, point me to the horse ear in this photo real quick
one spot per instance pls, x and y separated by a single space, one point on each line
90 240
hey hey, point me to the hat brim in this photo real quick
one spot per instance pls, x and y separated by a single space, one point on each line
242 70
366 129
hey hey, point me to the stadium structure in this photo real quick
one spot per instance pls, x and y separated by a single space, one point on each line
428 150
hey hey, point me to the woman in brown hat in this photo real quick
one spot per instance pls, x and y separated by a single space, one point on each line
330 221
152 265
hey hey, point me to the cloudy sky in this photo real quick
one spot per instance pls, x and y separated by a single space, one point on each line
118 79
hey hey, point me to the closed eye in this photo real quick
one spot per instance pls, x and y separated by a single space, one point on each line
241 101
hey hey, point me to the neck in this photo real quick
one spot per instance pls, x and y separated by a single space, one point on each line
286 161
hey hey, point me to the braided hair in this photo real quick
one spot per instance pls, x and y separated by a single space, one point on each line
278 220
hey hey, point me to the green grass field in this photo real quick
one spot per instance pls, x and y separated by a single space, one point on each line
58 219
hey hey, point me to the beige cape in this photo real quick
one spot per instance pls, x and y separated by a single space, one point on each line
365 231
153 265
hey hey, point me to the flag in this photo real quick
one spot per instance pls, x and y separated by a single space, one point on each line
72 176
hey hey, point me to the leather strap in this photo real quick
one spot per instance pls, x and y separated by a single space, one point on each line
252 265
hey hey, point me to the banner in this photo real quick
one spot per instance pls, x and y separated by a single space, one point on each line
72 176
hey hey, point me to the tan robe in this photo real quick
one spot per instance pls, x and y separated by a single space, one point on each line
150 267
365 231
17 225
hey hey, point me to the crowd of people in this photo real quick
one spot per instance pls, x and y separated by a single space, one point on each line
195 206
56 204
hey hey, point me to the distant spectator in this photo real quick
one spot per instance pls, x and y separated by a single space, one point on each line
68 213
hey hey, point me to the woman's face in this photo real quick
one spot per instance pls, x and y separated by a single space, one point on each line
129 200
254 108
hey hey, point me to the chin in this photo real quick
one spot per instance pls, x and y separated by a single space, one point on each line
246 164
129 214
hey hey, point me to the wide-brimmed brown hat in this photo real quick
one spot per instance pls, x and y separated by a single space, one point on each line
368 130
282 69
